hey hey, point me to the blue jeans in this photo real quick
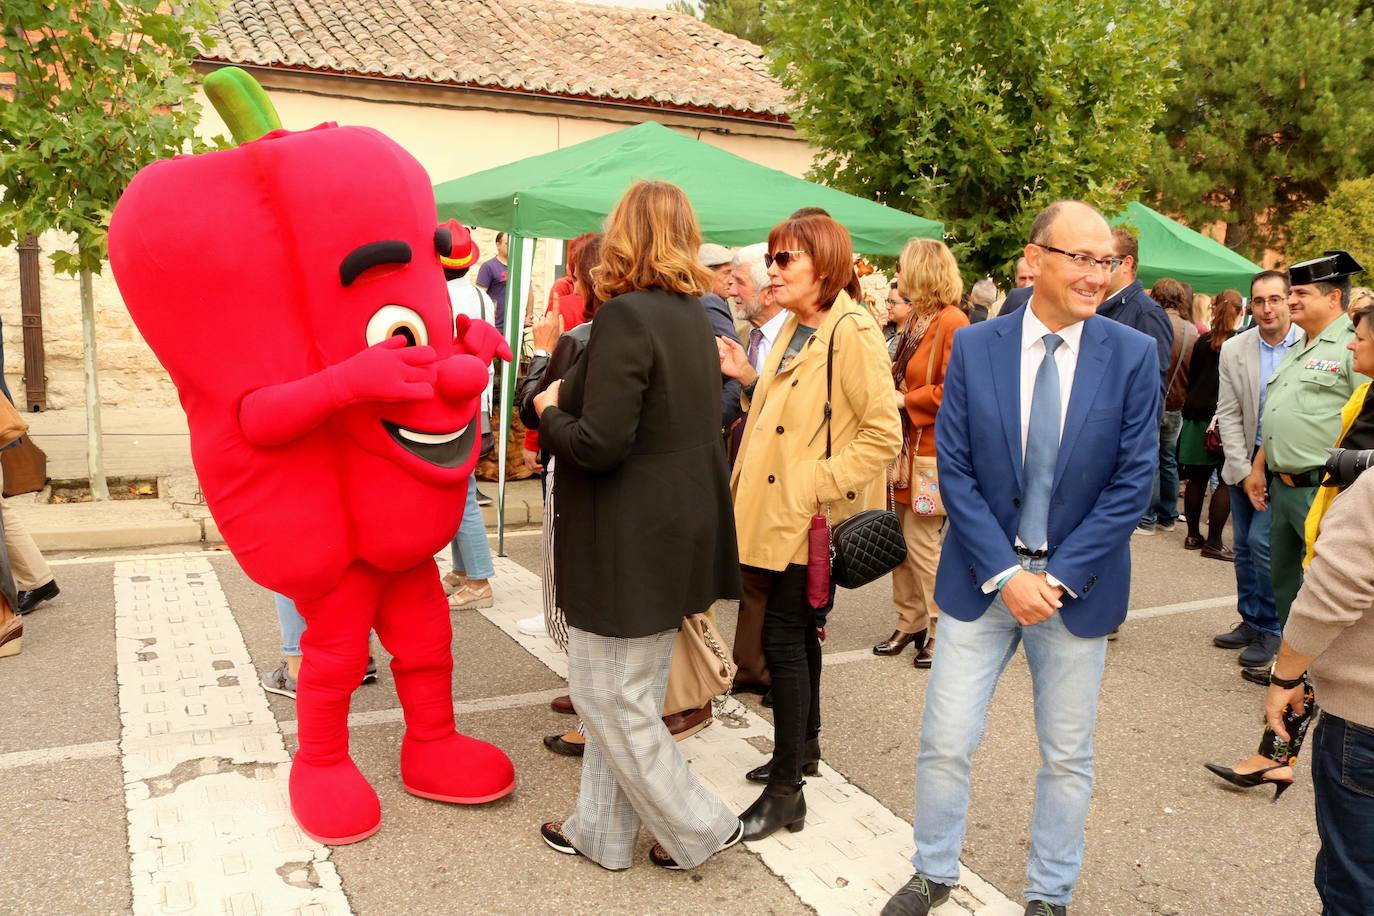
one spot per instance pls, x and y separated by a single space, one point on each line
469 549
292 625
1164 494
1254 586
1066 674
1343 781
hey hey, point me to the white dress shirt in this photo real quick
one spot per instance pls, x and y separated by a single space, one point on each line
466 299
1033 332
771 328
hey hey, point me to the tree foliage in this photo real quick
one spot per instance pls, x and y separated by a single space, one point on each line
745 18
1275 110
977 112
1344 220
103 88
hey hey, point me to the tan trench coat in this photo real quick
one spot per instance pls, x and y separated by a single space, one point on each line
781 475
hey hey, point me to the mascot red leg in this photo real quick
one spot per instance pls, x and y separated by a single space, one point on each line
293 289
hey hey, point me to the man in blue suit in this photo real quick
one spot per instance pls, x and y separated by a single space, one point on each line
1046 440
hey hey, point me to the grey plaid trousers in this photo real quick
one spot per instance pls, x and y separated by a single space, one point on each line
632 769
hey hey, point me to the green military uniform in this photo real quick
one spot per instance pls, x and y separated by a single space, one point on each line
1301 420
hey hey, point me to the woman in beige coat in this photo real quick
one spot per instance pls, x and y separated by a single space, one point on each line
782 477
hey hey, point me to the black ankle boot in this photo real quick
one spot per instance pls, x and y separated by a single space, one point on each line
811 763
778 806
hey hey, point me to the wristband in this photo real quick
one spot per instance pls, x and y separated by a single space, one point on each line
543 353
1277 681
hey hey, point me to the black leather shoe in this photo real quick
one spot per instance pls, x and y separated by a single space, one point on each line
917 897
899 641
778 806
811 763
561 745
1241 635
1261 652
1256 675
767 699
1041 908
31 599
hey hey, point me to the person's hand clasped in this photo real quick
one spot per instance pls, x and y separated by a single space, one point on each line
547 398
1030 598
532 460
1276 700
548 329
1257 490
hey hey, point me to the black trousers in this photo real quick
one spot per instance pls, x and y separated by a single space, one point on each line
793 651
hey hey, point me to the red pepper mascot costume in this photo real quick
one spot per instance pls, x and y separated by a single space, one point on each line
293 290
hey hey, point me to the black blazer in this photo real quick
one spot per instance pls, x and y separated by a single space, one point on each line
543 371
645 530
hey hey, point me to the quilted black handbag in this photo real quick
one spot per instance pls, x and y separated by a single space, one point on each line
869 545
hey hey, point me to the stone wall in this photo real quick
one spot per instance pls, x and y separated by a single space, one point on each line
130 376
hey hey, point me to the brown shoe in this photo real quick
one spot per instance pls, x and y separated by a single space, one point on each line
11 637
563 704
569 744
926 657
686 724
1223 553
899 641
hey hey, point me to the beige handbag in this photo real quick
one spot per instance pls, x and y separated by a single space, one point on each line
701 668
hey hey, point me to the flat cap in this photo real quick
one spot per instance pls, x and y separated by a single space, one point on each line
713 255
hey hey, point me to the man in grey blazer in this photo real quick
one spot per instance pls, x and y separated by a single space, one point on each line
1248 360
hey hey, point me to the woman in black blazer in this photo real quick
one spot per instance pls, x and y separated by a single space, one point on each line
646 531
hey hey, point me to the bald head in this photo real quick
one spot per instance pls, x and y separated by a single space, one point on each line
1070 248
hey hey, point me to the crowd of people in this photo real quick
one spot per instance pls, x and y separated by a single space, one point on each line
696 413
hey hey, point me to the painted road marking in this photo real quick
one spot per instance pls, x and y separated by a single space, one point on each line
205 766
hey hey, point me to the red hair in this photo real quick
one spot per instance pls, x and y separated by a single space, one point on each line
831 251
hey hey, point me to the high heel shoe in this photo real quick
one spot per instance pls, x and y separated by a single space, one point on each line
811 763
778 806
899 641
1250 780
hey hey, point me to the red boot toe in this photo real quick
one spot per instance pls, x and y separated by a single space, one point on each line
456 769
334 804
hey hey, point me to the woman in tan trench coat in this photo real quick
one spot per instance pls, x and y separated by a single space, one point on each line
782 477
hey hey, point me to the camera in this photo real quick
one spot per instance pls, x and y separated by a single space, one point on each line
1345 464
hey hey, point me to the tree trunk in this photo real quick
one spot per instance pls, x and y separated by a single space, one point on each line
95 457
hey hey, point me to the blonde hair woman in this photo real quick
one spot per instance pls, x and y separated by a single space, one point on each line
1202 312
930 281
642 487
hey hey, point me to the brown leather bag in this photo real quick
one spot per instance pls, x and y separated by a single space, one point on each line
25 467
12 424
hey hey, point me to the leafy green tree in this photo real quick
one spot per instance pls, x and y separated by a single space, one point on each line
977 112
1344 220
1275 109
102 88
745 18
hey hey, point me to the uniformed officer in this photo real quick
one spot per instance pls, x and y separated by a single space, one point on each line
1302 415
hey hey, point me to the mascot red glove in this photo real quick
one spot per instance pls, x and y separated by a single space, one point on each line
293 290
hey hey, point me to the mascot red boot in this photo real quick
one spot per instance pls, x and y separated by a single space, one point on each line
293 290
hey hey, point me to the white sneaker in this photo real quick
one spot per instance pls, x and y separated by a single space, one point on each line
532 626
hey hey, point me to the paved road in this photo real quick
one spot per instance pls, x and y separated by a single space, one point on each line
110 811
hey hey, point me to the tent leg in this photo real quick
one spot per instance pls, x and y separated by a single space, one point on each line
517 291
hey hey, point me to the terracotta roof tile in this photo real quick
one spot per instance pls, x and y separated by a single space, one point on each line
546 47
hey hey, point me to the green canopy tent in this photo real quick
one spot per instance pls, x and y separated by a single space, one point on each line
1170 249
563 194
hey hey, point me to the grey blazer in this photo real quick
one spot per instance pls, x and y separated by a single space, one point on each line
1238 403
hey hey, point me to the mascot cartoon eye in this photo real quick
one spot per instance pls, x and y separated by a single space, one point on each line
397 320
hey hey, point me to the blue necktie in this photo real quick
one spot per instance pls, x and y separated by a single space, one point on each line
1042 450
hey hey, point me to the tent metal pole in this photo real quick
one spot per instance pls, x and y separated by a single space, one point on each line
521 260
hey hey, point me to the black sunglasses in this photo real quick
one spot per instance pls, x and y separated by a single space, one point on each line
782 258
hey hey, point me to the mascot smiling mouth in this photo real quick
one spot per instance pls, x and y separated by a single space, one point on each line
445 450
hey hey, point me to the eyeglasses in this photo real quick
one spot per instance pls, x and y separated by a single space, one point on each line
782 258
1275 301
1083 262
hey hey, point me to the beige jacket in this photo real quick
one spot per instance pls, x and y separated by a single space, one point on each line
781 473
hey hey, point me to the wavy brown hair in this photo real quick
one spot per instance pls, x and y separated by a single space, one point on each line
1226 309
1174 297
651 242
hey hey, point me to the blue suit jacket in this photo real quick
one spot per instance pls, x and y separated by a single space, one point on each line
1101 484
1134 308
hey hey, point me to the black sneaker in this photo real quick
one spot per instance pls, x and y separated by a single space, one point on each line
553 835
1240 636
370 675
280 682
1041 908
1261 652
917 897
483 499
